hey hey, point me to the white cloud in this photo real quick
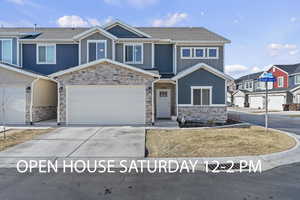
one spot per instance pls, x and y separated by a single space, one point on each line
293 19
77 21
238 70
277 49
170 19
133 3
71 21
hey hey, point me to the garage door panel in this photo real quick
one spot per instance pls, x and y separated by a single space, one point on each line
239 101
256 102
14 100
276 102
106 105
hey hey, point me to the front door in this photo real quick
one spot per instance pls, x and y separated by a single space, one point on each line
163 103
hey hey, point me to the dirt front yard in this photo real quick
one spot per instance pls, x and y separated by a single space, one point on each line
17 136
215 142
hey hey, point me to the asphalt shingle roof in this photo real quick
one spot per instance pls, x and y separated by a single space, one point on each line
291 69
174 33
249 76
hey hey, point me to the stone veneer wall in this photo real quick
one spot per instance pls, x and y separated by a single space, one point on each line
204 113
27 106
105 74
40 113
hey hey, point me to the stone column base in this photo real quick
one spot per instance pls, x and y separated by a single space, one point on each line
41 113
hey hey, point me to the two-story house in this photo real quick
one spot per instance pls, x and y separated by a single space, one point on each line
115 74
285 90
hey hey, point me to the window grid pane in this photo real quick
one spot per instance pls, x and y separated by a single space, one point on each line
186 52
197 96
138 53
100 50
128 53
7 51
50 54
212 53
42 54
297 77
199 52
205 96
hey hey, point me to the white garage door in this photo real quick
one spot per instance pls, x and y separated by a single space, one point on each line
256 102
106 105
239 101
275 102
12 99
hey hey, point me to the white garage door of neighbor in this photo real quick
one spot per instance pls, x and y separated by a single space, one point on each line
106 105
275 102
239 101
256 102
12 99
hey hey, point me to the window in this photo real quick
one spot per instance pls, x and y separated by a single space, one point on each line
46 54
6 49
199 52
201 95
186 52
297 79
163 94
133 53
96 49
212 53
280 81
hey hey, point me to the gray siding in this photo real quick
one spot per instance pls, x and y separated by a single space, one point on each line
292 81
164 58
95 36
147 56
66 57
120 32
14 50
201 78
183 64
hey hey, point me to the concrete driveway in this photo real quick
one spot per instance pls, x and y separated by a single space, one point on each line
82 142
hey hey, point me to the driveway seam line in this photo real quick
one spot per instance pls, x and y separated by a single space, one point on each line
84 142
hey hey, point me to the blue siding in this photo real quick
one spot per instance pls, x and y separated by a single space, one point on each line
201 78
120 32
164 58
66 57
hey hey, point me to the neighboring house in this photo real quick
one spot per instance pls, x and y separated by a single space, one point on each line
115 74
285 90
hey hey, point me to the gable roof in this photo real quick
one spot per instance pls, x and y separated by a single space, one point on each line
201 66
290 69
126 26
83 66
17 69
94 30
194 34
252 76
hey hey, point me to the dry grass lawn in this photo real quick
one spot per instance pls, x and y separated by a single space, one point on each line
17 136
216 142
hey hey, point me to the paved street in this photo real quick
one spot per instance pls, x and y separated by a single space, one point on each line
279 183
277 121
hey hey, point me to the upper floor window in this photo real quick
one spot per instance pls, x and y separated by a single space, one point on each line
133 53
212 53
280 81
46 54
297 79
199 52
248 85
186 52
201 95
6 49
96 49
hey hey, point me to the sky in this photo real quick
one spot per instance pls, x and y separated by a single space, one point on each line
262 32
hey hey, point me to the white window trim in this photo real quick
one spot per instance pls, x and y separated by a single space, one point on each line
204 52
96 41
217 50
297 83
11 42
280 78
201 87
133 44
186 57
37 54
